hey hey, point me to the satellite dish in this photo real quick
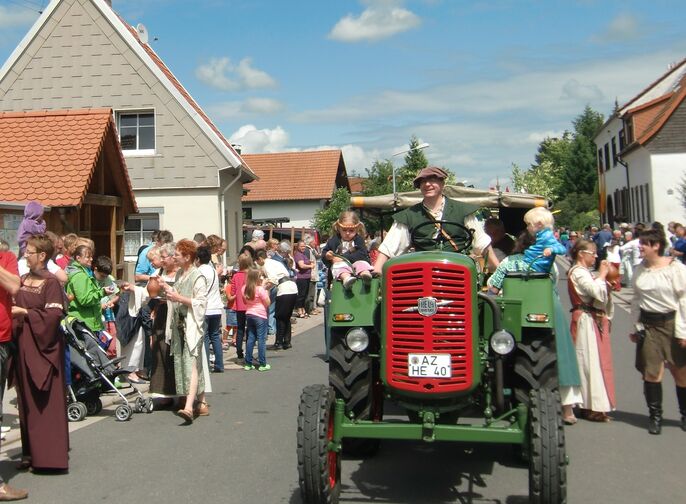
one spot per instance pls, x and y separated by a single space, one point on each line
142 32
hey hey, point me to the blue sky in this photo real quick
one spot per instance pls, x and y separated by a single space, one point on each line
483 82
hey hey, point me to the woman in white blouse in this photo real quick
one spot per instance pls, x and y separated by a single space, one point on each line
660 307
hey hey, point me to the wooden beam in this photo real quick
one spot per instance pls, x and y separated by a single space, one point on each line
102 200
113 235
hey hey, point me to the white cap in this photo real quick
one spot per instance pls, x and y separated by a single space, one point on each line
258 234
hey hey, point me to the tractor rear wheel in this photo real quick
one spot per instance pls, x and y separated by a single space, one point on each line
535 367
547 460
352 377
319 469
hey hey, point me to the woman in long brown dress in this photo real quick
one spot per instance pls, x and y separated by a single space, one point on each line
162 382
39 363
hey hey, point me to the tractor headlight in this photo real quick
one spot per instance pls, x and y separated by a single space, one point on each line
357 339
502 342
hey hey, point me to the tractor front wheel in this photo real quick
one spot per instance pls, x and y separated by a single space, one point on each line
352 377
535 368
319 467
547 460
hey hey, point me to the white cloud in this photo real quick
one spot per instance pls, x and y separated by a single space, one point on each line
536 137
561 91
221 74
246 109
252 78
382 19
16 16
622 28
256 141
261 106
574 90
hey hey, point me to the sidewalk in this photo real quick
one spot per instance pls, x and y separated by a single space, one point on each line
10 415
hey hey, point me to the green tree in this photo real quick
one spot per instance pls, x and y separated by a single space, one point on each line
323 219
379 179
576 211
580 174
540 179
415 160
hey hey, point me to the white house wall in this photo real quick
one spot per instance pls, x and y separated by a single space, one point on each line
668 170
301 213
185 213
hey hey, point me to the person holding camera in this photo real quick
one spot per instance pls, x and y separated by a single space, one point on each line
659 307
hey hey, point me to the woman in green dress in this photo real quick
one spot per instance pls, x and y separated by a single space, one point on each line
189 302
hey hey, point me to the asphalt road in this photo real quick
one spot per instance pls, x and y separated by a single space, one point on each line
244 452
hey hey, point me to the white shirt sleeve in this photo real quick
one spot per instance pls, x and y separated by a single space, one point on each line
396 241
481 239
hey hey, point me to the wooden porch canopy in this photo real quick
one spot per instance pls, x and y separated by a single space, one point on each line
70 161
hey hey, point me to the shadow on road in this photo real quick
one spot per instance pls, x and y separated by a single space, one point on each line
412 472
640 420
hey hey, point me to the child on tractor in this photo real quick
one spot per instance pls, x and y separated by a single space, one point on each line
539 222
346 252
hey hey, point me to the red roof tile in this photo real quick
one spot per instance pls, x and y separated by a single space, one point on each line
50 155
650 118
309 175
356 184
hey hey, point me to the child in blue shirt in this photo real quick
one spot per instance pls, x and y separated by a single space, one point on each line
539 222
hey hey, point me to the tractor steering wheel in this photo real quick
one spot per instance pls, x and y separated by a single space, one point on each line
462 239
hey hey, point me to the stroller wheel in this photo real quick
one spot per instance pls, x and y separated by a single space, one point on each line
76 411
123 412
149 405
140 406
93 406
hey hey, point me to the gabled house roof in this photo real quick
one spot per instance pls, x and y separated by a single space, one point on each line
651 117
155 64
51 156
309 175
660 89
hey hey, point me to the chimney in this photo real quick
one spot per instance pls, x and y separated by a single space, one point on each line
237 148
109 2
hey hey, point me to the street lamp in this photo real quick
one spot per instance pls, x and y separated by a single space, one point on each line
416 147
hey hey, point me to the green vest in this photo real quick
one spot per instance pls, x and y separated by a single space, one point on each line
423 238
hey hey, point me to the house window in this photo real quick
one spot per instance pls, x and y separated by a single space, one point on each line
648 219
247 213
137 132
137 232
643 212
600 160
622 140
607 156
614 151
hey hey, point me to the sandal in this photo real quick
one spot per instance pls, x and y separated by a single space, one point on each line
24 464
201 409
187 415
569 420
597 416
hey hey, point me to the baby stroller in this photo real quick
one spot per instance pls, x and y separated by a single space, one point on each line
93 374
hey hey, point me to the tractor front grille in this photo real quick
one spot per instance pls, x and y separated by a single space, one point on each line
449 331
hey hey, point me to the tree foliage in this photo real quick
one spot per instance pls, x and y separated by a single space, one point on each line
415 160
323 219
565 171
540 179
379 179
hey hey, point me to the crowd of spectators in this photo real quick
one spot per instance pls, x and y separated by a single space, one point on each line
170 325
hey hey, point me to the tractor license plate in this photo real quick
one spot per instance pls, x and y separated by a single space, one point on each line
429 366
